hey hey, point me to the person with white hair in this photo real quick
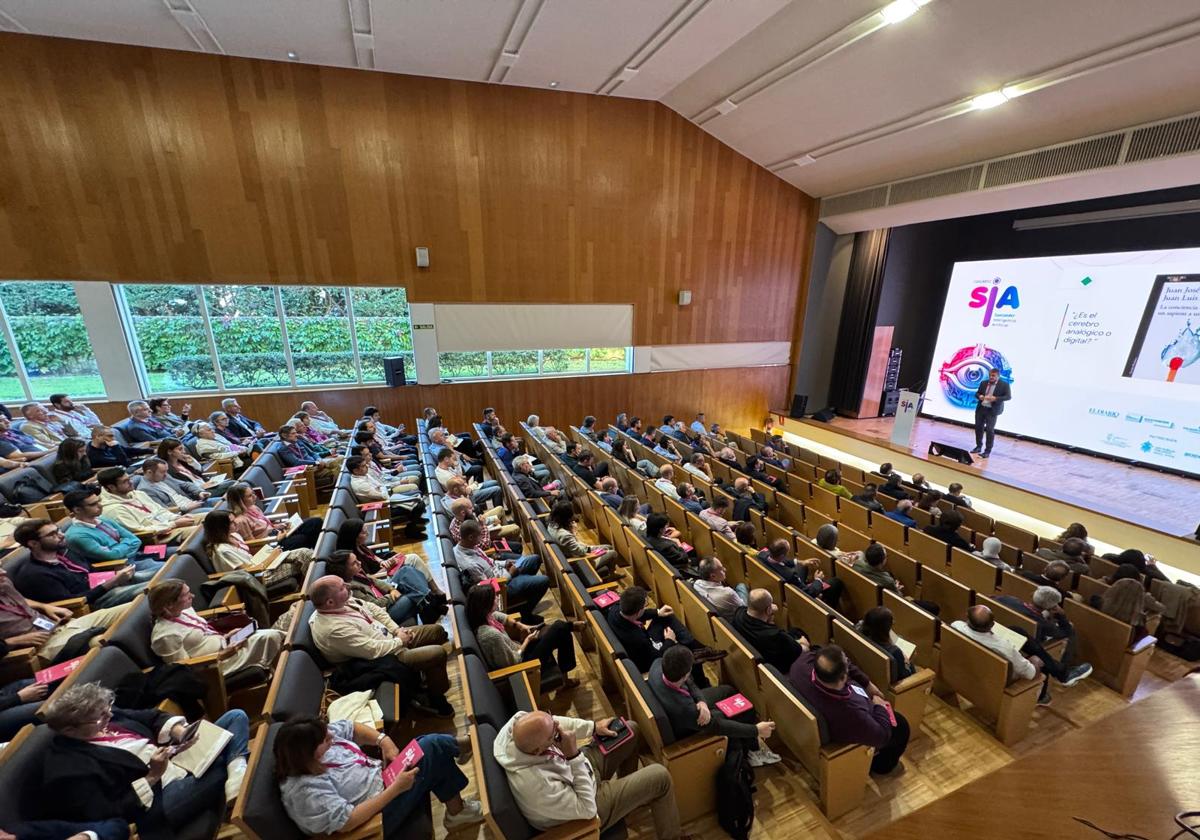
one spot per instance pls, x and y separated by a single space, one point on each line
239 423
991 553
540 432
320 419
211 447
141 427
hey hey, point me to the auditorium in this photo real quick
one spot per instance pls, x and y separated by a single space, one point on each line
562 419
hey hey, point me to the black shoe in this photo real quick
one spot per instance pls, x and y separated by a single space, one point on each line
975 451
707 654
987 454
1044 697
430 705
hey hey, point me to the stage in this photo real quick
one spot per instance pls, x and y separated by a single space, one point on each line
1164 502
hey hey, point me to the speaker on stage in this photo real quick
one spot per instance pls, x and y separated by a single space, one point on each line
393 371
799 406
824 415
954 453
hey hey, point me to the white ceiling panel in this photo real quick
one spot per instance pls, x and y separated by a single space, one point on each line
453 39
143 22
318 32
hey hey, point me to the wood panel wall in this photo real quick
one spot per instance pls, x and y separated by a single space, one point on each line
735 397
131 164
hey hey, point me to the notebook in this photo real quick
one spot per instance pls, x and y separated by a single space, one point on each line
157 550
290 471
606 599
906 647
1011 636
735 705
370 506
294 522
267 557
196 759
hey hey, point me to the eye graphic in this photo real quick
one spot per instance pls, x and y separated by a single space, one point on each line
967 369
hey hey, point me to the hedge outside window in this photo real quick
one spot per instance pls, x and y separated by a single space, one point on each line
382 328
484 364
245 327
170 338
318 331
53 352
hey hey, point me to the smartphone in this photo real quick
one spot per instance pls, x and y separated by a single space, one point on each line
621 733
243 633
43 623
188 733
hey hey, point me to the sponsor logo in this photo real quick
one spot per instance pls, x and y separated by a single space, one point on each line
1162 424
1117 441
1103 412
1134 418
1193 429
991 298
1161 451
963 373
1164 439
1195 455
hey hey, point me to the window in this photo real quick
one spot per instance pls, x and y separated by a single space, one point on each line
226 338
48 346
482 364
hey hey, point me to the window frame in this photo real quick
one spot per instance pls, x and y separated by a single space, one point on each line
541 372
20 369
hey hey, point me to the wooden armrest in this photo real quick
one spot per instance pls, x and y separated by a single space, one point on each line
694 744
604 587
208 660
501 674
20 663
573 830
1021 686
379 545
832 751
79 606
372 828
1141 644
214 611
110 564
259 543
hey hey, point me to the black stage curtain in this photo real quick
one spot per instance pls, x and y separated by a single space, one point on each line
857 327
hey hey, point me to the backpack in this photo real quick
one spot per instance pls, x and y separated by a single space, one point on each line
735 794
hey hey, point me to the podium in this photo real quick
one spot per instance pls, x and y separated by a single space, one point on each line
906 415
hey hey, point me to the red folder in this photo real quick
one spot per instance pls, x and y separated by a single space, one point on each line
57 672
295 470
606 599
160 550
735 705
97 578
370 506
406 760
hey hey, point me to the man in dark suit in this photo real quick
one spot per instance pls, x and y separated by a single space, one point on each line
114 829
992 395
648 633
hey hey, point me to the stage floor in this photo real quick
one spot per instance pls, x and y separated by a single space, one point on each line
1166 503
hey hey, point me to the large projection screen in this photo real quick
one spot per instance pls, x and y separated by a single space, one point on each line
1102 351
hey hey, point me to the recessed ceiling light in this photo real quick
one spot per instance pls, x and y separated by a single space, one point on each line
899 10
292 55
989 100
1012 91
554 84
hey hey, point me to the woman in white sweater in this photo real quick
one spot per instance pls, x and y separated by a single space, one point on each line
229 552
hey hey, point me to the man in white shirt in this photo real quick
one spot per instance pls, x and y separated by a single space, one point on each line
486 493
979 626
133 508
540 432
714 516
345 628
43 428
698 426
725 598
368 488
666 481
525 584
65 410
698 466
322 421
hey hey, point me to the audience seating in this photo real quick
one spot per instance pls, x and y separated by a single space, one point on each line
982 677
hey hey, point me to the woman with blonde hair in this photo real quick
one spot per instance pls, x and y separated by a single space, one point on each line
251 523
181 633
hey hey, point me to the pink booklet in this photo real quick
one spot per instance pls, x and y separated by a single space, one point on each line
295 470
606 599
370 506
406 760
97 578
597 552
735 705
57 672
159 550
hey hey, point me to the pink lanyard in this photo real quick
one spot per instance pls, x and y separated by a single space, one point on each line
112 534
361 761
117 733
676 688
23 612
375 590
132 503
68 564
201 625
237 541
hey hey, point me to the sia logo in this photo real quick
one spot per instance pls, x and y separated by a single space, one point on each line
990 298
963 373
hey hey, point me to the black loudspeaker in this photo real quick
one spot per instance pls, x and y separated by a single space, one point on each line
799 406
824 415
954 453
891 401
393 371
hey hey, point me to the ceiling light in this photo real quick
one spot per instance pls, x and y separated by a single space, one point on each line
803 160
292 55
898 10
1012 91
989 100
554 84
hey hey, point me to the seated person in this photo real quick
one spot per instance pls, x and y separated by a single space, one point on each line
18 446
369 487
1128 601
756 622
610 492
978 627
117 763
893 487
135 509
725 599
554 780
46 432
169 492
991 553
647 633
525 585
376 560
322 420
832 482
141 427
160 410
66 636
664 539
715 516
229 552
690 499
562 532
104 451
662 445
239 423
346 629
1056 574
1073 553
692 711
457 489
1045 609
551 642
806 575
19 702
954 495
876 627
181 633
946 530
213 448
185 469
585 467
758 472
902 513
71 469
328 784
918 482
745 533
853 708
867 498
629 514
403 597
449 468
770 456
51 575
250 523
746 498
698 465
65 410
666 481
531 484
292 454
96 539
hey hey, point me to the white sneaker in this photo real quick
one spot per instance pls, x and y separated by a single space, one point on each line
471 813
763 757
234 772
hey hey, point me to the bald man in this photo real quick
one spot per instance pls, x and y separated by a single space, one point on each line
745 498
554 780
346 629
757 622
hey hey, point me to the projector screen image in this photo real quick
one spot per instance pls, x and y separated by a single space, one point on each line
1102 351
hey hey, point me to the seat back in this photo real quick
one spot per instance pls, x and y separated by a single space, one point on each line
795 723
791 510
1011 534
20 773
665 576
500 807
951 596
1101 639
107 665
876 664
759 576
973 671
823 501
483 702
887 531
1013 584
609 649
15 560
300 635
854 515
927 550
22 475
701 535
917 626
732 558
852 539
861 592
297 688
259 811
973 572
740 666
645 710
697 613
131 633
808 615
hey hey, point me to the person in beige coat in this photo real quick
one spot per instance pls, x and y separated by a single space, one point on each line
180 633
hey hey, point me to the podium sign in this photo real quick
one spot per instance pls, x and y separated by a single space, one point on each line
906 415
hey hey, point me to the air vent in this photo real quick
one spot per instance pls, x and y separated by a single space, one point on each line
932 186
1165 139
1059 160
867 199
